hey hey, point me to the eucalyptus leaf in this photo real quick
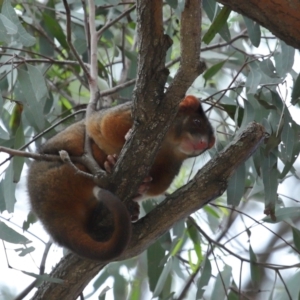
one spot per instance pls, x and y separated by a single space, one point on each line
11 236
254 269
236 186
253 31
222 283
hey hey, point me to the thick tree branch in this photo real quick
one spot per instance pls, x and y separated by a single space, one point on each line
151 106
147 97
209 183
281 17
190 41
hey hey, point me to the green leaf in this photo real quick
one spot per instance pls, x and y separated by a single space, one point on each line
236 186
25 251
284 60
177 247
296 237
38 83
120 289
99 282
80 45
8 11
18 161
222 281
270 179
287 137
284 213
173 3
55 29
204 278
9 188
210 210
195 237
296 91
10 27
33 108
31 218
1 105
254 269
45 277
258 188
253 29
267 66
217 24
155 254
212 71
212 9
296 150
162 278
248 115
232 110
11 236
253 78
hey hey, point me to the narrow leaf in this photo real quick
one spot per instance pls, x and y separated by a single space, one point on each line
162 278
11 236
270 179
296 91
217 24
236 186
204 278
284 213
222 283
253 31
254 269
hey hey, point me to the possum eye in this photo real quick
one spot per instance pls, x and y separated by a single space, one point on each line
197 122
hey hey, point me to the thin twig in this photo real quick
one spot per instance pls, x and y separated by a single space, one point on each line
125 13
69 39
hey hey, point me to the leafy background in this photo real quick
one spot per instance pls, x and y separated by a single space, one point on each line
229 248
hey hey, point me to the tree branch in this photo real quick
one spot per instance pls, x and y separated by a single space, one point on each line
281 17
150 104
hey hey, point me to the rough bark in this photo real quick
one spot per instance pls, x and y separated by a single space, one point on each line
281 17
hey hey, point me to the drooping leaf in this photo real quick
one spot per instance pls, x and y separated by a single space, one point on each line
254 269
55 29
267 66
162 278
236 186
18 161
9 188
222 283
270 179
284 60
296 91
204 278
253 29
283 213
11 236
22 35
213 70
212 8
25 251
253 78
155 254
296 237
217 24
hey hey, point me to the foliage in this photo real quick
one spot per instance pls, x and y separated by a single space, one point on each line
250 76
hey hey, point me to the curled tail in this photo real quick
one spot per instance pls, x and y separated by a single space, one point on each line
84 245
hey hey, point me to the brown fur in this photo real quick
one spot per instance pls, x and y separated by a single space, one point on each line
64 201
